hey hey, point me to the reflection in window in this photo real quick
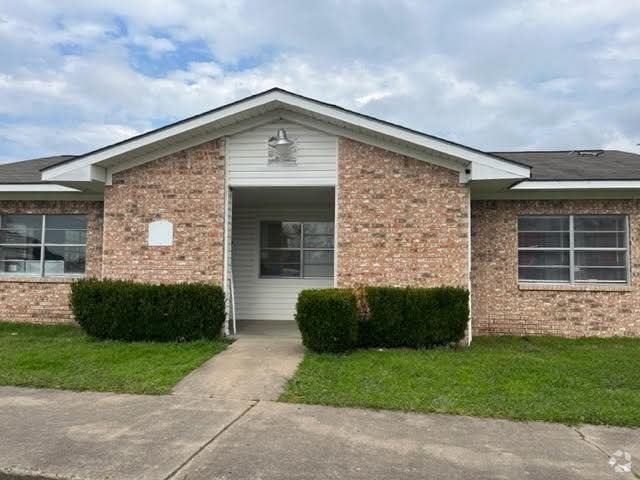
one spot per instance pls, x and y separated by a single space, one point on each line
296 249
573 249
40 245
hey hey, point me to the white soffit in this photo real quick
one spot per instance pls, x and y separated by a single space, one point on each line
34 187
483 166
577 185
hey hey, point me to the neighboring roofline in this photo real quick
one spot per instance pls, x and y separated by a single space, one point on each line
557 151
302 97
67 157
581 184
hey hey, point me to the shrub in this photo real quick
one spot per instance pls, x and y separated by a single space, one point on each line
122 310
328 319
383 325
436 316
386 317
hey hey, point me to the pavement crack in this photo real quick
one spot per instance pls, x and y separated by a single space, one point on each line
584 438
210 441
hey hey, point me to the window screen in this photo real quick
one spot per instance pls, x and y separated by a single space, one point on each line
573 249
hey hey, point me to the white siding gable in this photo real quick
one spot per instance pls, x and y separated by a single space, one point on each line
316 157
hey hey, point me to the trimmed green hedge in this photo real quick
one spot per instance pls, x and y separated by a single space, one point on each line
439 315
384 324
122 310
391 317
328 319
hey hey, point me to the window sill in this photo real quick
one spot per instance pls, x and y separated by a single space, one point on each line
587 287
35 279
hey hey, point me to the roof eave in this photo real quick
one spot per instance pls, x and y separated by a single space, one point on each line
577 185
277 98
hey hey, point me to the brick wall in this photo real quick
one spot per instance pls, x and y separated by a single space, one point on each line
47 300
501 307
401 221
186 188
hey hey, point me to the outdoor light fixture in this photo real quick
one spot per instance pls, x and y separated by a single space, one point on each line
281 139
281 149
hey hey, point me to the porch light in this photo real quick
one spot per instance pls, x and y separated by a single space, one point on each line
280 140
281 149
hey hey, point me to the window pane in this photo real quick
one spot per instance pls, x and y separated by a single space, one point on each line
542 223
72 222
595 274
280 234
318 235
318 263
280 263
64 260
612 223
600 240
543 258
66 229
600 259
543 239
20 229
20 260
544 274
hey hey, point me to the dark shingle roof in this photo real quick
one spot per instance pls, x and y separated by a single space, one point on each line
579 164
545 165
28 171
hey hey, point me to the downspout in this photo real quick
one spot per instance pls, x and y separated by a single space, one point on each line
225 255
336 226
469 322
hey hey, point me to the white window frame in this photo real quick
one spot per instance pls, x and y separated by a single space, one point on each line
43 247
572 249
302 249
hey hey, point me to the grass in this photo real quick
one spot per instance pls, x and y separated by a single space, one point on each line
62 356
537 378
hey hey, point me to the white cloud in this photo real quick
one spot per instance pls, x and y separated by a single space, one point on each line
505 75
155 45
50 139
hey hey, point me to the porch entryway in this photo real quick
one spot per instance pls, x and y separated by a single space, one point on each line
281 242
268 328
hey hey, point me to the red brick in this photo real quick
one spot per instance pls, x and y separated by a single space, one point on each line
186 188
500 307
47 300
401 221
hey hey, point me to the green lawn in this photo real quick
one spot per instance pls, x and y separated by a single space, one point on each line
61 356
536 378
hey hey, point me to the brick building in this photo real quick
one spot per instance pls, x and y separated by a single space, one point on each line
277 192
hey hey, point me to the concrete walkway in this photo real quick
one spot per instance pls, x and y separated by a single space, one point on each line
254 367
91 436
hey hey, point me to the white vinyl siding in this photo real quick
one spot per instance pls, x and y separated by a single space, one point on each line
316 158
267 298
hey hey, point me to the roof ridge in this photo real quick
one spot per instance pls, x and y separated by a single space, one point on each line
299 96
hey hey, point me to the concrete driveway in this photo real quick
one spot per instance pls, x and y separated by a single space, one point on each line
56 434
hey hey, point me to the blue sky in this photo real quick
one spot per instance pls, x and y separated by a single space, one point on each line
496 75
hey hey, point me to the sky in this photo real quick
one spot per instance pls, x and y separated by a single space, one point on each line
495 75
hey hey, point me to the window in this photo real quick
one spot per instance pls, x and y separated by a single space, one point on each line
296 249
573 249
42 245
